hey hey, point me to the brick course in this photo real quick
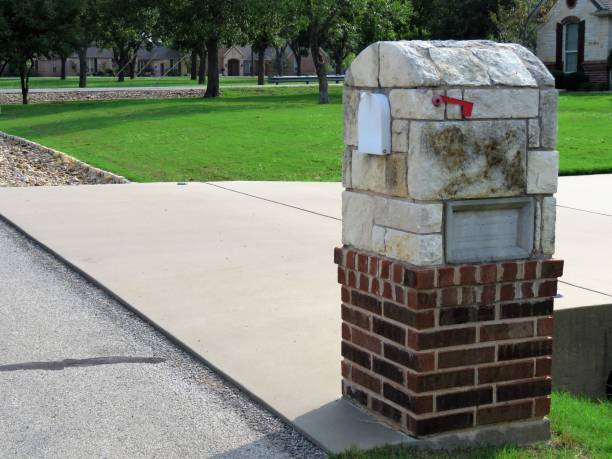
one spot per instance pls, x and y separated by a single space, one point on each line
431 350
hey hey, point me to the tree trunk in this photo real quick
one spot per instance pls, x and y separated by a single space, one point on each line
212 48
202 67
338 63
319 62
194 64
24 76
261 66
63 68
133 68
82 67
3 66
279 61
298 64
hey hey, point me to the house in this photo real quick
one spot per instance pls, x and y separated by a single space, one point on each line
577 37
157 61
242 60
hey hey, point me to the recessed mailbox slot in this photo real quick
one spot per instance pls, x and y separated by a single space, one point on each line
489 230
374 124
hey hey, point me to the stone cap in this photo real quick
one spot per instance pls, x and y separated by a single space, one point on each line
474 63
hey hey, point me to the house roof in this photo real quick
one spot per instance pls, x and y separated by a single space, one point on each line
604 4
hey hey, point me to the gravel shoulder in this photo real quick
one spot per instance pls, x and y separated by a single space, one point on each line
80 376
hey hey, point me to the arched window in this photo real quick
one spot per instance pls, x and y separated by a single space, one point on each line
571 34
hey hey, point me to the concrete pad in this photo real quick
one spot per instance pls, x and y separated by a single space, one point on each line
586 192
246 282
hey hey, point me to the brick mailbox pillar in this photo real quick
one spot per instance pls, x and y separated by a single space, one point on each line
448 233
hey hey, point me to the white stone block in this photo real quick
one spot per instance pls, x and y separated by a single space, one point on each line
409 216
358 219
350 102
364 69
454 112
549 215
535 66
503 103
542 172
399 136
505 68
548 113
417 249
459 67
378 239
466 159
415 104
346 167
403 65
381 174
534 133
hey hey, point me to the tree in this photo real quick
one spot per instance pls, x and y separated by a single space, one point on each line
298 42
318 18
126 25
518 21
30 30
87 31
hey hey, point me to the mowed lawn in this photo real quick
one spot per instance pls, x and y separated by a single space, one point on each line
280 133
273 134
580 429
111 82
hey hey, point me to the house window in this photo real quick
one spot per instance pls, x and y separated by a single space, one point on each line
571 48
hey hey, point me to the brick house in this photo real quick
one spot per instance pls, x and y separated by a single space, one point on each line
242 60
577 36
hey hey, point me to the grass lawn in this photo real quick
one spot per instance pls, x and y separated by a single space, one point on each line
581 429
281 133
109 82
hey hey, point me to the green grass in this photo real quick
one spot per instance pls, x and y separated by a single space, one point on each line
280 133
585 133
581 429
274 134
110 82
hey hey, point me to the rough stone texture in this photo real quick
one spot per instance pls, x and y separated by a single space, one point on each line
403 65
549 215
537 234
503 103
364 69
534 133
454 112
460 67
548 113
357 219
400 130
535 66
409 216
346 167
415 104
472 159
542 172
382 174
350 103
59 96
417 249
505 68
25 163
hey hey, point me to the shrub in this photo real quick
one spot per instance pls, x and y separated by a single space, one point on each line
572 81
559 79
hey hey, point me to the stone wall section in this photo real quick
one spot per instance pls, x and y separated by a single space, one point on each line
432 350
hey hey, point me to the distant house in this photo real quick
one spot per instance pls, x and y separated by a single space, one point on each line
158 61
577 37
242 60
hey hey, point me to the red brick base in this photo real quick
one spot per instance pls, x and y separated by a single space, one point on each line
453 347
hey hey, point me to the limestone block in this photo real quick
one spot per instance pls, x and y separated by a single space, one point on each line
535 66
534 133
399 136
350 102
364 69
503 103
454 112
358 219
418 249
549 215
409 216
459 67
548 112
403 65
542 172
505 68
382 174
378 239
469 159
346 167
537 235
415 104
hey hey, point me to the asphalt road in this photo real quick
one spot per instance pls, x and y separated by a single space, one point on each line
80 376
